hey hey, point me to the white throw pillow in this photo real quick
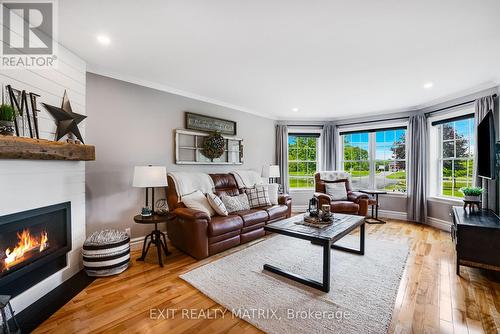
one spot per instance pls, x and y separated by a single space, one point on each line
216 204
197 201
258 196
236 203
337 191
272 190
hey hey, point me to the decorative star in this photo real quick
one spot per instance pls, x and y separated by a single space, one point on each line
67 121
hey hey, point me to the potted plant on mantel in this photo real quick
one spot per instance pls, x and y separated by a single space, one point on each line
472 194
7 116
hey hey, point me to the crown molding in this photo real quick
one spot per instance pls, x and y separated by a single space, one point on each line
165 88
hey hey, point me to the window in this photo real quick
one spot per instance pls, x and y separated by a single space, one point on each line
376 159
356 158
456 154
302 160
390 163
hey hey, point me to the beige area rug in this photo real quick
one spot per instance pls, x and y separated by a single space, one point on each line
361 298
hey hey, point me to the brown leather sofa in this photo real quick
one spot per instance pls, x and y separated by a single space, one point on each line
356 204
200 236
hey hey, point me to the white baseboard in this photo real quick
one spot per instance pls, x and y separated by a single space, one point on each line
439 223
136 243
391 214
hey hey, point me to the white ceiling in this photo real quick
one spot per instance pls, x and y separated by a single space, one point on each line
330 59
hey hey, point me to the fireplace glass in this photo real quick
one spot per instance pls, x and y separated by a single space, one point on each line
31 242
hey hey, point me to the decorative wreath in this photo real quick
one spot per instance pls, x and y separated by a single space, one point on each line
213 146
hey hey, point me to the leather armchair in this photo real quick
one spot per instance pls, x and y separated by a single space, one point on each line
356 203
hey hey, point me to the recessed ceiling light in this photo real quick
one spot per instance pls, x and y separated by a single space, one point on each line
103 39
295 109
428 85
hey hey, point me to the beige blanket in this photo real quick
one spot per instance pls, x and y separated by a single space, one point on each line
334 175
247 178
188 182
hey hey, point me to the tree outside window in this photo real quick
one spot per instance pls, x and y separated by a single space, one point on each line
456 156
390 163
302 160
356 158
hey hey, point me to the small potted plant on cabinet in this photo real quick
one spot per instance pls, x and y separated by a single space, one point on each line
472 194
7 116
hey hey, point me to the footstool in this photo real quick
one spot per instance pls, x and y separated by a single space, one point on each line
106 253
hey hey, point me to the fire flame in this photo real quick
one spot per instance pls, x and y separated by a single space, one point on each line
26 243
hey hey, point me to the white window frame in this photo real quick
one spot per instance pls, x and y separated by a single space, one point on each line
304 130
372 149
435 152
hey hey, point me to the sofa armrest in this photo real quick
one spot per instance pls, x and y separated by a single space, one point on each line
188 232
190 214
283 199
355 196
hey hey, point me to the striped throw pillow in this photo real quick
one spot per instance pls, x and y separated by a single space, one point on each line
217 204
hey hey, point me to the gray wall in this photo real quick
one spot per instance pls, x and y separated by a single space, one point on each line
133 125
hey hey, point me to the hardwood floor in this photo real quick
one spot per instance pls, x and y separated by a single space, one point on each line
431 298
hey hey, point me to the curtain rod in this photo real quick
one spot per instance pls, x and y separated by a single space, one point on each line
454 106
305 125
374 121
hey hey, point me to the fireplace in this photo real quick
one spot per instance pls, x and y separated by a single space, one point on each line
33 246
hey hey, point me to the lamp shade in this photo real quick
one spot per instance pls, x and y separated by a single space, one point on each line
149 176
274 171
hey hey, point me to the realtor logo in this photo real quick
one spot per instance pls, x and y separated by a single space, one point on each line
28 34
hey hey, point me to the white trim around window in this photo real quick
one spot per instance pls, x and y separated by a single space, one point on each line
435 153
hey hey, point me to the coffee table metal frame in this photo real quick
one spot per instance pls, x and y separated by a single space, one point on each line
327 244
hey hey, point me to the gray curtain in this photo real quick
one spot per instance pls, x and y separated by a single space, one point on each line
482 106
282 154
418 145
328 147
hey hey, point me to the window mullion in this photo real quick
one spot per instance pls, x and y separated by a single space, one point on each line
371 159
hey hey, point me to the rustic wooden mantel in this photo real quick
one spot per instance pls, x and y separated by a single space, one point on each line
41 149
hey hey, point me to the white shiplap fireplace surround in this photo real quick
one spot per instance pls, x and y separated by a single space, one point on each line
30 184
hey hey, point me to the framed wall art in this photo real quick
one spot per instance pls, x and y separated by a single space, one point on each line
210 124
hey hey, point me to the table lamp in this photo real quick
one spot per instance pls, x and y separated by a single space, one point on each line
149 177
274 173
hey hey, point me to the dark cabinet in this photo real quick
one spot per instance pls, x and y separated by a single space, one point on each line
477 238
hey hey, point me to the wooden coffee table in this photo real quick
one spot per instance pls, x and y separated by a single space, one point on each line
326 237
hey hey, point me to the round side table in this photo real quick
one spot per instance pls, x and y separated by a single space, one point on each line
156 237
374 195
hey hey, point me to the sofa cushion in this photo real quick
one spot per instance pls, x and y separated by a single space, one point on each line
220 225
276 211
252 216
224 184
344 207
